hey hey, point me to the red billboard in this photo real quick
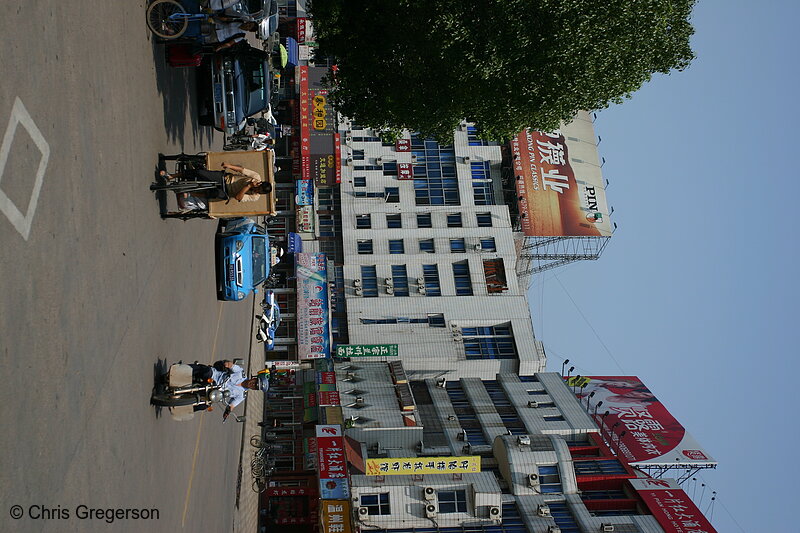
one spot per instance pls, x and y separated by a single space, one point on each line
319 145
557 198
672 508
638 427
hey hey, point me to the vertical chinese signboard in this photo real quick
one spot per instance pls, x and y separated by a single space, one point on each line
554 201
335 516
672 508
366 350
638 426
331 462
313 330
468 464
318 143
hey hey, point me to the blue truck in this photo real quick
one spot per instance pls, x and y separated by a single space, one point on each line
242 257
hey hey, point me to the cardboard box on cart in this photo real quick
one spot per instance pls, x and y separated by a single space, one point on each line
261 162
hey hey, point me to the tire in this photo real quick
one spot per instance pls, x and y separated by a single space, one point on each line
169 400
256 441
158 14
259 486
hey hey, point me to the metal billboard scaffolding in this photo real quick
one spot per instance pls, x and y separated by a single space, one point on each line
538 254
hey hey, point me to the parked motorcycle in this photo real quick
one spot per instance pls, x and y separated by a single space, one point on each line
183 396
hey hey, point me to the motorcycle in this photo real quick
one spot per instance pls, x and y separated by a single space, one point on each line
184 397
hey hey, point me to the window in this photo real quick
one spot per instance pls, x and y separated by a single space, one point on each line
358 155
359 181
473 139
484 220
369 281
434 173
426 246
599 466
537 392
400 280
377 504
457 246
549 479
452 501
489 342
462 278
436 320
482 183
396 246
363 221
488 244
365 246
390 168
563 517
431 275
392 194
367 167
553 418
454 220
424 220
394 221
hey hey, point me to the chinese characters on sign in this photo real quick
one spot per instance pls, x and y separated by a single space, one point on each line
672 508
404 171
423 465
313 330
335 516
318 145
366 350
331 462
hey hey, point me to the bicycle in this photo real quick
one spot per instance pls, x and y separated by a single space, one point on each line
168 19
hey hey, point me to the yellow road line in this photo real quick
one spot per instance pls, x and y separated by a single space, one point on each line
199 429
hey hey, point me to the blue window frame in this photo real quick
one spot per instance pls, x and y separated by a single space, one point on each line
462 278
396 246
473 139
457 246
434 173
598 466
424 220
367 167
484 220
454 220
363 221
392 194
482 183
427 246
394 220
364 246
563 517
400 280
358 155
377 504
488 244
390 168
489 342
369 281
465 413
549 479
432 285
452 501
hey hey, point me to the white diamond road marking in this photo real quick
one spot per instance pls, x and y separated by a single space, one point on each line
20 116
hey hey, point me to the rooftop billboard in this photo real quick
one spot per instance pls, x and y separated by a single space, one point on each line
638 427
672 508
559 186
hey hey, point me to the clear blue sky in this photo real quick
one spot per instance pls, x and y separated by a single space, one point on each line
697 291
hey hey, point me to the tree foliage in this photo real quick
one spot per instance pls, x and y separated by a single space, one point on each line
424 65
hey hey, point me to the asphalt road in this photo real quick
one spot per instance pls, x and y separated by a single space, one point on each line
97 289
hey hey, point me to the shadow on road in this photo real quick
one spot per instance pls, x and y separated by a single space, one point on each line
177 86
160 369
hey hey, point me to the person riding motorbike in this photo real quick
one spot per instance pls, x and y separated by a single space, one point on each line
231 377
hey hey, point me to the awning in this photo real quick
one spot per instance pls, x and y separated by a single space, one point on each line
352 450
293 49
282 56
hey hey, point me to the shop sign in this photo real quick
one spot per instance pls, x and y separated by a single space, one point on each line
404 171
313 330
367 350
423 465
328 398
335 516
305 218
305 192
332 462
402 145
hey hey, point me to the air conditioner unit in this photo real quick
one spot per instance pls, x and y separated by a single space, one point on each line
553 529
543 510
467 160
422 289
431 510
457 337
429 493
349 160
389 290
478 247
357 282
413 158
348 139
359 291
533 480
524 440
420 447
494 511
389 282
606 527
421 281
466 449
441 382
462 435
362 512
360 401
533 403
379 161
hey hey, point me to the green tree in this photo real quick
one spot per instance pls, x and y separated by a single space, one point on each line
424 65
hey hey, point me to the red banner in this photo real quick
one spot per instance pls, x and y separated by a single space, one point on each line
672 508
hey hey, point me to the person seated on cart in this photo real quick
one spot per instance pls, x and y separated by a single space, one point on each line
241 184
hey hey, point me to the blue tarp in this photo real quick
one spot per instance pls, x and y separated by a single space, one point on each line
294 52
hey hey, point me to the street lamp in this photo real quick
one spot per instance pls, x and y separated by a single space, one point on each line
591 395
566 361
598 404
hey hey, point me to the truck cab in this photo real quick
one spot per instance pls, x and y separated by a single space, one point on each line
242 258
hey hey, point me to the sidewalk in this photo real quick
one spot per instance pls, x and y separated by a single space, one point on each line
245 513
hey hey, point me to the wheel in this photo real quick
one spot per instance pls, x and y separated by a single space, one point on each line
158 19
170 400
256 441
259 486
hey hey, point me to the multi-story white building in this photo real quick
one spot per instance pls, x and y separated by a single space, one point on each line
429 255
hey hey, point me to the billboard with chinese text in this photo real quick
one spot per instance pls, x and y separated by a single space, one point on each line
423 465
638 427
318 141
331 462
335 516
560 194
313 330
367 350
672 508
